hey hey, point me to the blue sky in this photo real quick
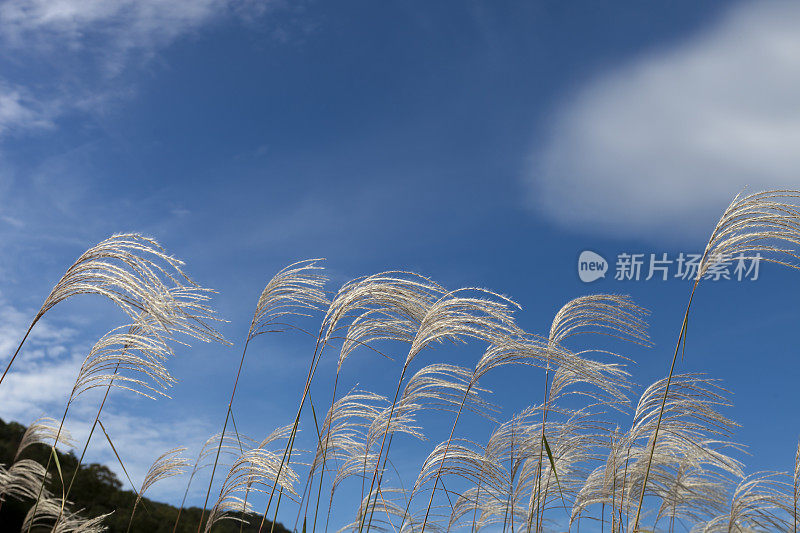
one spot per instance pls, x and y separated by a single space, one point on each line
480 143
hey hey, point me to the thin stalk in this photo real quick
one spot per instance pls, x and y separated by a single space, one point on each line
444 456
241 451
613 487
539 506
287 454
511 474
383 444
224 427
602 517
794 495
130 521
46 468
303 499
325 455
310 478
35 320
380 481
116 454
186 492
91 432
319 440
477 499
681 338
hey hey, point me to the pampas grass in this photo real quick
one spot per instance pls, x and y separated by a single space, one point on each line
136 274
167 465
591 446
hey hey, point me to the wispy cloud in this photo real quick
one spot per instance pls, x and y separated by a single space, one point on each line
88 47
20 110
41 381
659 146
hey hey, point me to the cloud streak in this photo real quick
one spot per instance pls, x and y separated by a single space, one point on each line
40 383
659 146
88 47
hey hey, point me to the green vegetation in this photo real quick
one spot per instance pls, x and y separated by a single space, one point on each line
97 491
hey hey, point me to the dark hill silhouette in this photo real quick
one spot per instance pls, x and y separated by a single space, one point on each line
97 491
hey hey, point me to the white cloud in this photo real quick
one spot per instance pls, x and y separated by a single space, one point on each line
86 47
126 23
40 382
37 386
659 146
139 441
20 110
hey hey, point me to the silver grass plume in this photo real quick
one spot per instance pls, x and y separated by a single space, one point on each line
51 513
168 464
468 313
464 459
26 478
297 290
43 430
129 357
691 410
446 387
345 436
574 436
137 275
690 428
347 424
757 504
761 222
613 315
385 306
691 492
458 316
438 386
493 470
516 348
232 445
259 469
384 511
21 480
755 223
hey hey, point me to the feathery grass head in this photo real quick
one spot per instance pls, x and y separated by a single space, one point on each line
259 469
296 290
44 430
756 505
128 357
136 273
467 313
613 315
609 314
53 513
385 306
22 479
755 223
168 464
446 387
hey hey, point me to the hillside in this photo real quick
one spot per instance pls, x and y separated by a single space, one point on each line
97 491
